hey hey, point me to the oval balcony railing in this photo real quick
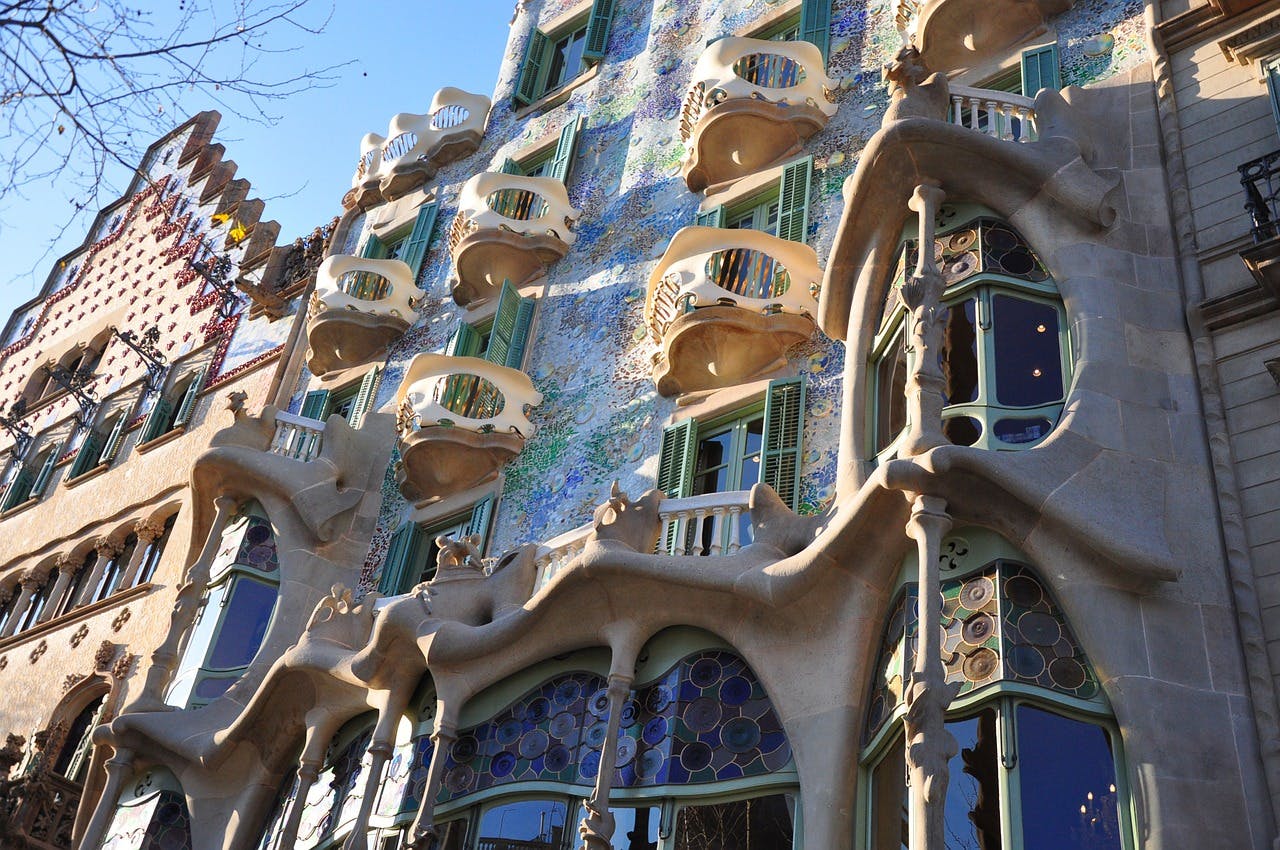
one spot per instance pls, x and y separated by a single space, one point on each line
459 420
358 308
417 145
725 304
751 105
508 227
1001 115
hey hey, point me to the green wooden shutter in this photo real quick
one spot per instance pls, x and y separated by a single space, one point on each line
503 343
675 461
510 166
481 517
315 404
1273 87
531 68
115 439
815 24
46 472
465 342
520 336
19 487
373 248
793 200
364 398
1040 69
784 438
415 247
87 456
400 558
563 159
713 217
189 398
157 420
598 30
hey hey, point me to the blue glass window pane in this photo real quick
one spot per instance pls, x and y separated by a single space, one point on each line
534 824
244 623
1028 359
973 794
959 355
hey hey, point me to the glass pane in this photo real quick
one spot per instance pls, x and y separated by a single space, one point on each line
959 355
889 827
760 824
453 835
973 794
526 825
566 59
1068 778
891 393
1018 431
634 829
713 452
962 430
244 623
1028 359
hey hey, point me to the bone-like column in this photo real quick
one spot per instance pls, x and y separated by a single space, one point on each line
118 768
930 745
381 745
185 606
422 834
596 828
313 750
922 295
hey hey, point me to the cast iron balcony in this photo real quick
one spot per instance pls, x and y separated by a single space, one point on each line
359 307
460 419
1261 181
508 227
725 305
417 145
753 103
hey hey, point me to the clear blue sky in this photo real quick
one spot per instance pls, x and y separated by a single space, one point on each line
400 53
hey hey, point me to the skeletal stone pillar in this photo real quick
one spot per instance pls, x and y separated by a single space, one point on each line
596 828
118 768
147 533
422 834
67 567
317 742
381 745
166 656
930 745
30 585
922 295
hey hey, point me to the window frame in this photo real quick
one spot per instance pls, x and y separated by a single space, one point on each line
533 79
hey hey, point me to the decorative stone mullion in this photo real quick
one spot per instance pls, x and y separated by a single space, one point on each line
922 295
30 586
422 833
67 567
107 549
147 533
185 606
381 745
596 828
930 746
308 771
118 768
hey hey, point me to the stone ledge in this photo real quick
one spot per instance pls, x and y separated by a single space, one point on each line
77 614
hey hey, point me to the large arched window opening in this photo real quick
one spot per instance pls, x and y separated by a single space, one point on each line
1006 353
1040 763
235 612
72 761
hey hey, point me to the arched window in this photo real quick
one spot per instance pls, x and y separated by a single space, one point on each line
1039 761
75 589
39 601
1006 355
73 758
235 612
151 814
6 610
113 570
154 551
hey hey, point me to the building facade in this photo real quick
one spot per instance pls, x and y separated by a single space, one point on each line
635 409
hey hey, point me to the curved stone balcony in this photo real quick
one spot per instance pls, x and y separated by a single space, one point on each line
953 35
725 305
359 307
508 227
416 146
753 103
460 419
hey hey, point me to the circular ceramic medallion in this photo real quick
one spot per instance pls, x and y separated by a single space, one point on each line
649 764
1066 673
695 756
1023 591
657 699
980 665
962 240
557 759
1026 661
563 724
978 628
503 763
630 713
459 779
464 749
538 710
508 732
654 730
599 703
735 690
976 593
626 751
595 735
590 765
705 672
1039 629
533 744
740 735
702 714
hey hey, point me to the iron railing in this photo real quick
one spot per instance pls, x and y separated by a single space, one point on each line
1261 181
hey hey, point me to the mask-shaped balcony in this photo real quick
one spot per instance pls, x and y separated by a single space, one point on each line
416 146
508 227
460 419
725 305
954 35
359 307
753 103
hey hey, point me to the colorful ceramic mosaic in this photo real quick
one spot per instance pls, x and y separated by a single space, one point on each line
160 822
999 624
248 540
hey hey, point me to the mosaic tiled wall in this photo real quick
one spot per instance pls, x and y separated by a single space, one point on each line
601 417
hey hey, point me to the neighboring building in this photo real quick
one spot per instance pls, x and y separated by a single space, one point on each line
110 386
652 396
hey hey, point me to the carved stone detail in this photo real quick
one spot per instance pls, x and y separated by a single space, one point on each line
80 634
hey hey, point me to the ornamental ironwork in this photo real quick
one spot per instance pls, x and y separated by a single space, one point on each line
148 349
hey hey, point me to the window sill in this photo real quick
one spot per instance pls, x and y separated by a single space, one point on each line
76 614
19 508
93 472
551 100
155 442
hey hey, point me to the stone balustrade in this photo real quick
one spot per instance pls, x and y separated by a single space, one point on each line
1001 115
297 437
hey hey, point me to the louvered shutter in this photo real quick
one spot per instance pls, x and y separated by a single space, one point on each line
115 439
85 745
87 456
315 404
481 517
19 487
364 398
793 200
1040 69
46 472
157 420
562 162
373 248
503 341
675 468
598 30
531 68
815 24
713 217
510 166
520 336
784 437
189 398
395 568
465 342
415 247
